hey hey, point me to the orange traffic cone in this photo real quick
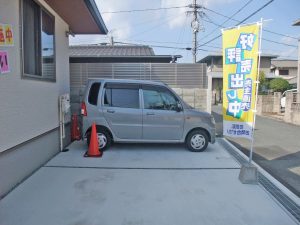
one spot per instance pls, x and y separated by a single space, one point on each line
94 145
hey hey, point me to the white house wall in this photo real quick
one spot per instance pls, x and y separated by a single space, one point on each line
29 108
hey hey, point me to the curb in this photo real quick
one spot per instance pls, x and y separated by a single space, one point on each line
286 199
279 185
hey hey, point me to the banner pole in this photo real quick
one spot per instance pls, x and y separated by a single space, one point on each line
256 92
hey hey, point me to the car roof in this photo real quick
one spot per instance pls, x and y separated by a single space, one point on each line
126 81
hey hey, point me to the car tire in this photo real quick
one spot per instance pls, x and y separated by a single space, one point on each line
197 141
104 139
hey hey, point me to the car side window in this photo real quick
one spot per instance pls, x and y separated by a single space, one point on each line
152 100
122 97
93 94
159 99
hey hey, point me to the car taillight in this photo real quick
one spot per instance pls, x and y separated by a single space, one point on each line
83 109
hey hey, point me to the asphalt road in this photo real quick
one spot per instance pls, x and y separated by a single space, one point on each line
276 148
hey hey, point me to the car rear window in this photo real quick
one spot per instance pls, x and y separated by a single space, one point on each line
94 92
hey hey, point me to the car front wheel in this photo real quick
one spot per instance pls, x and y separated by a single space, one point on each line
104 139
197 141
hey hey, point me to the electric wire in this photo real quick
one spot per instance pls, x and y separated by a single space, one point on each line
229 18
154 27
240 22
143 10
267 30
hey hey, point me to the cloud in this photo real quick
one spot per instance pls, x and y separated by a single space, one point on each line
118 24
123 26
178 15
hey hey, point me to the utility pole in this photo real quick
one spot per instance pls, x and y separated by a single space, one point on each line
196 25
297 23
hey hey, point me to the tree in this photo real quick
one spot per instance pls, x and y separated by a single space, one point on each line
279 84
263 82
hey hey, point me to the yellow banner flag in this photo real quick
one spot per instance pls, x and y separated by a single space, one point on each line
240 57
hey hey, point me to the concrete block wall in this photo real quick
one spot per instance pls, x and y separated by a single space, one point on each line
292 108
267 104
196 97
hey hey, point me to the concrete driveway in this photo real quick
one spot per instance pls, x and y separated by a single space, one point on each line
140 184
276 148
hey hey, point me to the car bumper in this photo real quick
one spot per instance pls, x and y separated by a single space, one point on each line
213 136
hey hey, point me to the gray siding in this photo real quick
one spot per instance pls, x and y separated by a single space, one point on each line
30 107
18 163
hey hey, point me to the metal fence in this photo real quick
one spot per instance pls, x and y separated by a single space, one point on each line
175 75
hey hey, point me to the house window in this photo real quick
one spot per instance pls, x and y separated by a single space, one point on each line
283 72
38 42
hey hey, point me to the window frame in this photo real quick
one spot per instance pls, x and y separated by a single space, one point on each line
158 89
124 86
284 70
35 76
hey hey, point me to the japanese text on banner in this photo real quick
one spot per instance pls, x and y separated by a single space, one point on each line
240 56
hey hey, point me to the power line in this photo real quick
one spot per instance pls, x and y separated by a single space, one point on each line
157 46
240 22
281 43
182 32
230 18
252 14
284 35
148 42
210 21
158 25
143 10
160 42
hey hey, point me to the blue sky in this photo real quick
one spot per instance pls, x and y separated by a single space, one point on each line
171 28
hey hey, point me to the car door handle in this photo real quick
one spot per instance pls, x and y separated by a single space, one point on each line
150 113
110 111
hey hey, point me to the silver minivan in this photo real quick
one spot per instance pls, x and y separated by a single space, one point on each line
143 112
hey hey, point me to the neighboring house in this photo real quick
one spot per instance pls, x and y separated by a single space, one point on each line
215 70
117 54
286 69
34 59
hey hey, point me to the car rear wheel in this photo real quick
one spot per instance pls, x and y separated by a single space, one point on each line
104 139
197 141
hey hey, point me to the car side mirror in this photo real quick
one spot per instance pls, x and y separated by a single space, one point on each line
179 107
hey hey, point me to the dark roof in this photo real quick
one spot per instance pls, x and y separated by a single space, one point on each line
285 63
110 51
117 54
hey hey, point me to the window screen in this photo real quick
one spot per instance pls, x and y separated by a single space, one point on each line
283 72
